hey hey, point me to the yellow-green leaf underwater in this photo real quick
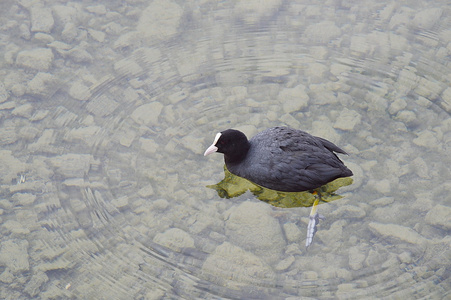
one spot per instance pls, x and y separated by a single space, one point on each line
233 186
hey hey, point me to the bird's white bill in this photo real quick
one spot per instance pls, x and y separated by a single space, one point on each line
213 147
210 150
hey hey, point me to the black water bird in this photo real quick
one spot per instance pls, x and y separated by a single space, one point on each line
281 158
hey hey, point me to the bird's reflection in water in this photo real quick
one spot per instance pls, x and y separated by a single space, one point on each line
233 186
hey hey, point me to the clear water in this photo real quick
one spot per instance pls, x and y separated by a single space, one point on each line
106 109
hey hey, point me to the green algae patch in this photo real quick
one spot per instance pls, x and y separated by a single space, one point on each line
234 186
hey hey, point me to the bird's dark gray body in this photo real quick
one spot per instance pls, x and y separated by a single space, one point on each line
290 160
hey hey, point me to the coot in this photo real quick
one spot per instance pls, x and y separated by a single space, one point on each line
281 158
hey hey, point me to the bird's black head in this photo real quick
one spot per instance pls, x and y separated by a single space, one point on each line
232 143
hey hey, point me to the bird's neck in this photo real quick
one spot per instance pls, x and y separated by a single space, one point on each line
237 156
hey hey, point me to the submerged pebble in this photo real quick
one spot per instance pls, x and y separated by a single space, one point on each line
439 215
41 18
230 261
251 226
147 114
399 232
356 258
160 19
14 255
175 239
347 120
38 59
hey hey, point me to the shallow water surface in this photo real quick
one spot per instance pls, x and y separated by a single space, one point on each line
106 109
